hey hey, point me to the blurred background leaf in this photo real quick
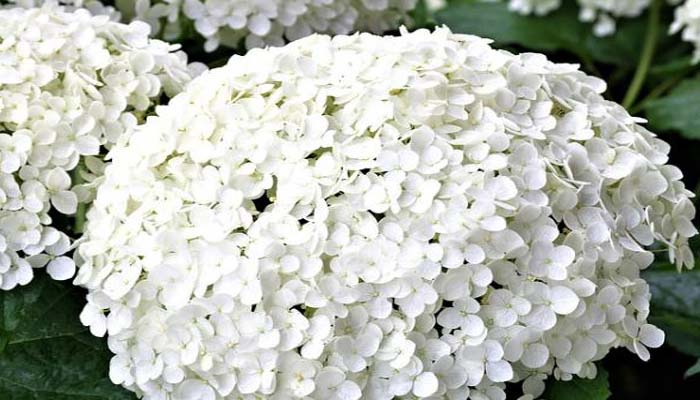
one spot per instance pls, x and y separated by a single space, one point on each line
694 370
676 307
677 111
579 389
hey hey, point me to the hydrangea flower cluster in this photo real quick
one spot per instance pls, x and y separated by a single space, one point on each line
70 83
375 217
688 21
266 22
602 12
94 6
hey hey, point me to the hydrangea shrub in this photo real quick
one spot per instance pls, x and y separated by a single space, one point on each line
266 22
70 84
372 217
96 7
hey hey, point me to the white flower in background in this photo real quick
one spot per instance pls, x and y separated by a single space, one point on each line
370 217
602 12
537 7
70 83
265 22
688 21
96 7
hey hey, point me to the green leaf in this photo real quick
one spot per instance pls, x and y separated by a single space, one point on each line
678 64
421 16
45 353
579 389
694 370
677 111
560 30
675 307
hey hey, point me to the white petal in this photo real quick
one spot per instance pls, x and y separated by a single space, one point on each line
641 351
504 188
559 346
65 201
87 145
248 382
505 317
598 233
541 317
493 223
449 318
259 25
535 355
425 384
348 390
557 272
653 184
473 325
482 276
474 254
24 274
57 179
454 377
534 385
520 305
61 268
584 349
651 336
499 371
564 300
312 349
9 75
564 255
609 295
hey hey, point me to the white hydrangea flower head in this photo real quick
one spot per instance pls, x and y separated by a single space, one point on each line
266 22
537 7
435 5
96 7
70 83
688 21
374 217
602 12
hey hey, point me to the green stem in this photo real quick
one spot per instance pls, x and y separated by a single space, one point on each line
647 55
80 218
663 88
82 207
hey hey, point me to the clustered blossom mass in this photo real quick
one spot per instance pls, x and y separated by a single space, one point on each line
266 22
94 6
70 83
275 22
378 217
688 21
